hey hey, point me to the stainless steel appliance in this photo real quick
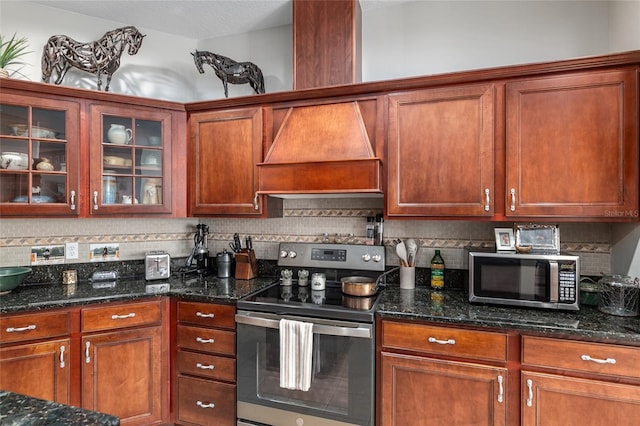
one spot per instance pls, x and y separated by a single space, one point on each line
157 265
533 280
343 354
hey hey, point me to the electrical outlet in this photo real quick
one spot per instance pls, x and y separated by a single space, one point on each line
71 250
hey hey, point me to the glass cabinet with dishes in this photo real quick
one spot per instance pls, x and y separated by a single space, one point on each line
39 156
130 160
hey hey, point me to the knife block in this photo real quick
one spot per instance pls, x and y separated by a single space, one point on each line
246 265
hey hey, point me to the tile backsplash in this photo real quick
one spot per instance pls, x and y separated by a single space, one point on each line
312 220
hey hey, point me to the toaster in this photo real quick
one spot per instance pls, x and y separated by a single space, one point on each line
157 265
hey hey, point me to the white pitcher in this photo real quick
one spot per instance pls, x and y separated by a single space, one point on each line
118 134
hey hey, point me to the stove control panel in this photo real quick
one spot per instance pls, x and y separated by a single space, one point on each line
332 256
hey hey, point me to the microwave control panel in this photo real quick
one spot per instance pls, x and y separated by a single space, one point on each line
568 282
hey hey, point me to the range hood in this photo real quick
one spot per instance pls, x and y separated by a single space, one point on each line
321 151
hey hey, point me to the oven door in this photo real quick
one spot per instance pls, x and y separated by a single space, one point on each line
342 382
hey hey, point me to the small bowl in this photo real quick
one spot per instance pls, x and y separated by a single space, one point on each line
11 277
154 140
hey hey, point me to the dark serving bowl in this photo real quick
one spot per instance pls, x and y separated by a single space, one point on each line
11 277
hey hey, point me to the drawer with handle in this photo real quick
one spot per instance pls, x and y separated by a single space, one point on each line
206 340
108 317
19 328
206 403
585 357
443 340
209 366
207 314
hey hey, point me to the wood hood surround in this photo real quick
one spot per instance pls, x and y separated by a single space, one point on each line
323 149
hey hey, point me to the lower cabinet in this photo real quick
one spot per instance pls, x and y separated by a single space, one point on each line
424 391
205 364
35 355
40 370
426 380
579 383
122 368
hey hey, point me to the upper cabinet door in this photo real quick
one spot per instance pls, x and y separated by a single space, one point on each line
130 161
39 163
572 146
440 156
225 148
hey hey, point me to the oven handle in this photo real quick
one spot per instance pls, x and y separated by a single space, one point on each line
361 330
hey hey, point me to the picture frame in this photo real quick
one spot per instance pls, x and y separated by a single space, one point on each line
541 238
504 239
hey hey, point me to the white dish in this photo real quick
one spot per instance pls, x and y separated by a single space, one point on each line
150 158
36 132
14 161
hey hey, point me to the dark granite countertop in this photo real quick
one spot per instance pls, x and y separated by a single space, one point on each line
17 409
588 323
50 296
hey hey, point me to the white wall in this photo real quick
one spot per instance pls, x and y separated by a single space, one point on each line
624 25
427 37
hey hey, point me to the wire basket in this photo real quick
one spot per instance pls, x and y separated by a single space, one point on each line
619 295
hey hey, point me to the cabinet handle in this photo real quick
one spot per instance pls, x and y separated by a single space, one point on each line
255 202
513 199
441 342
129 315
62 349
73 200
204 405
530 397
95 200
87 358
599 361
487 200
201 315
204 367
20 329
201 340
501 389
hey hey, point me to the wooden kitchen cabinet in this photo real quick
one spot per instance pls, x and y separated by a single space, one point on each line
69 128
205 364
39 145
580 383
124 361
433 375
572 145
35 355
225 148
131 155
440 153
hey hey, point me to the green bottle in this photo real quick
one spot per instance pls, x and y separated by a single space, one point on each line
437 271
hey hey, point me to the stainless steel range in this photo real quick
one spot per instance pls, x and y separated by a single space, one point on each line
343 352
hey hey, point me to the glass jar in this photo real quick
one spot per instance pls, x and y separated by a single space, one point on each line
109 189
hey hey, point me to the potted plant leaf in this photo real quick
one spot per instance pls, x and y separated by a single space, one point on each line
11 51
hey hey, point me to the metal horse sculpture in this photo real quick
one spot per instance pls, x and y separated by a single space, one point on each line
100 57
230 71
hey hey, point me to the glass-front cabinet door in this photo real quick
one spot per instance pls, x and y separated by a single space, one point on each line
130 161
39 156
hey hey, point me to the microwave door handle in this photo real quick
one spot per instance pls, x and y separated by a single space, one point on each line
330 330
553 281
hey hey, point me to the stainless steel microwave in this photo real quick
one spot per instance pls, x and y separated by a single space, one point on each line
535 280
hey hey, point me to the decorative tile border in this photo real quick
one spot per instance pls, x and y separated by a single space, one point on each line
571 247
331 212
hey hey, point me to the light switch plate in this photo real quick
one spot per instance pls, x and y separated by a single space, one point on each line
71 250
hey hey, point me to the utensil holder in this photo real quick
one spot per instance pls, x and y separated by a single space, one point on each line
246 265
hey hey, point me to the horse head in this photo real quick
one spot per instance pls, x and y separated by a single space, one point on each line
134 38
197 58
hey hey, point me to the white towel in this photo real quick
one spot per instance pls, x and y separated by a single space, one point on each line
296 348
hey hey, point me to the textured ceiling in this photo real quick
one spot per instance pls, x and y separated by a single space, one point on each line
197 19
